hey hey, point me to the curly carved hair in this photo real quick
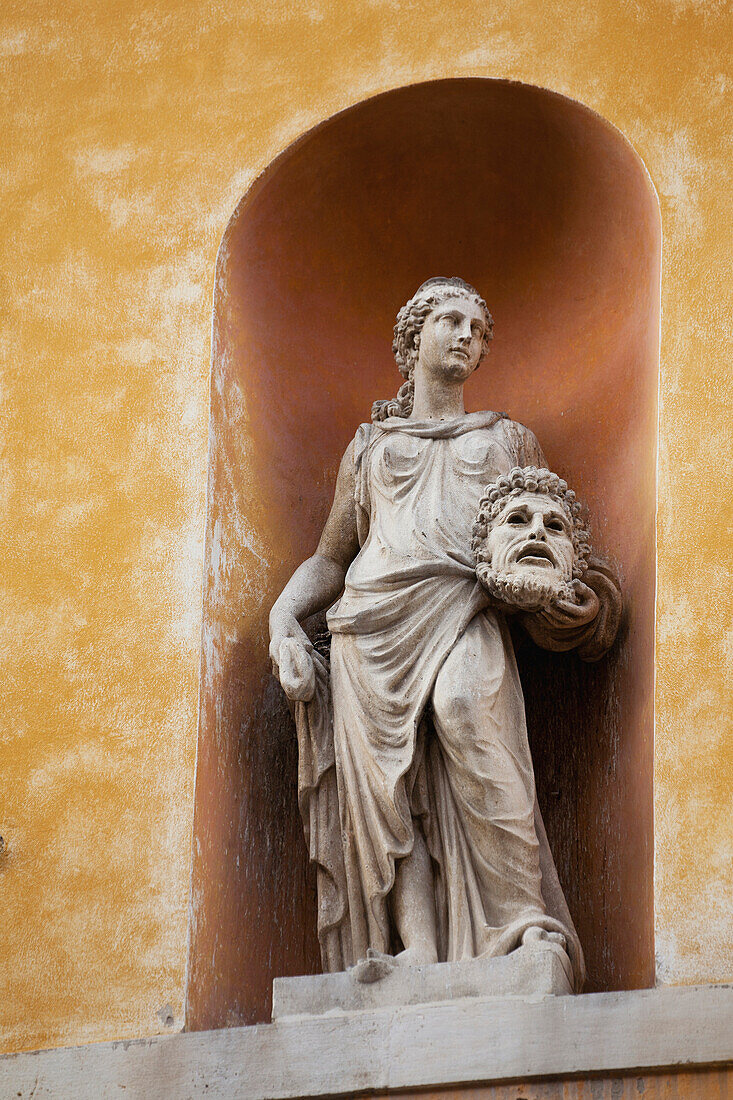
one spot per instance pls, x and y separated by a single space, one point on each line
500 493
406 343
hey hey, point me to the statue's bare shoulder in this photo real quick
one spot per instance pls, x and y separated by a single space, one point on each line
523 443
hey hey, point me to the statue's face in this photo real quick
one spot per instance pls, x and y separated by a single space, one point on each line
451 339
532 537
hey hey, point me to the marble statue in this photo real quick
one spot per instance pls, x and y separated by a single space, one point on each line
416 784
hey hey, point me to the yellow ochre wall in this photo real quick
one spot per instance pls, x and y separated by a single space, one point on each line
129 132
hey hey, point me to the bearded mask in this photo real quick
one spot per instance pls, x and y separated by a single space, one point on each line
528 542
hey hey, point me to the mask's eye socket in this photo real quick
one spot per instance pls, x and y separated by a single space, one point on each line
517 519
555 525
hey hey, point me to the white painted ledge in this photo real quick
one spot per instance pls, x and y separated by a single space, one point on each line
469 1041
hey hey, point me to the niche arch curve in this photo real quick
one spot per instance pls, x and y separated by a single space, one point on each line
546 208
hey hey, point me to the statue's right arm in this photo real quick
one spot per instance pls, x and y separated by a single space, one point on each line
320 579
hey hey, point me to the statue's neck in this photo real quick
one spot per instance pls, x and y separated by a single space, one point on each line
436 400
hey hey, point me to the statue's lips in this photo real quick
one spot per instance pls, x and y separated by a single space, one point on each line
536 554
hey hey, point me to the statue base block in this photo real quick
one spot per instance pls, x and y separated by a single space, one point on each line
537 969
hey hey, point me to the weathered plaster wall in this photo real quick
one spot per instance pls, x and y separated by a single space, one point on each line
130 130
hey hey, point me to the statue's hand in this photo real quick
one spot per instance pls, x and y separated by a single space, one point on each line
292 661
297 671
582 609
282 627
586 620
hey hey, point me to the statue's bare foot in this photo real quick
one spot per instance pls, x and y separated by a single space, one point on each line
375 966
535 934
416 956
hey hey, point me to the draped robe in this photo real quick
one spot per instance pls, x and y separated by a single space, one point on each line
375 755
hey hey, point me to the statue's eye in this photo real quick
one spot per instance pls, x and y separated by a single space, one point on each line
554 525
516 518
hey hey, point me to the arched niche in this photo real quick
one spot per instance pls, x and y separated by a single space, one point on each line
547 209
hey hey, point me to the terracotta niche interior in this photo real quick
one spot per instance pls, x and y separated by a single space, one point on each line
546 208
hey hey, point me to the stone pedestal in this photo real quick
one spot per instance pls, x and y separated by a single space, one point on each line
534 970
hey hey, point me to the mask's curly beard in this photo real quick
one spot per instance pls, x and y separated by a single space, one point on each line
529 590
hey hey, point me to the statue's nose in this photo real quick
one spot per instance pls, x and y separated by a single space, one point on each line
537 531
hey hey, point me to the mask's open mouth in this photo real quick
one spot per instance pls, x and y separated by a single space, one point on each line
536 553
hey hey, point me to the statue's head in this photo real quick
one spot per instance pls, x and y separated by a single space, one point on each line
412 317
430 301
529 542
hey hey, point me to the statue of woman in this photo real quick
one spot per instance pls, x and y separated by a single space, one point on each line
415 776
